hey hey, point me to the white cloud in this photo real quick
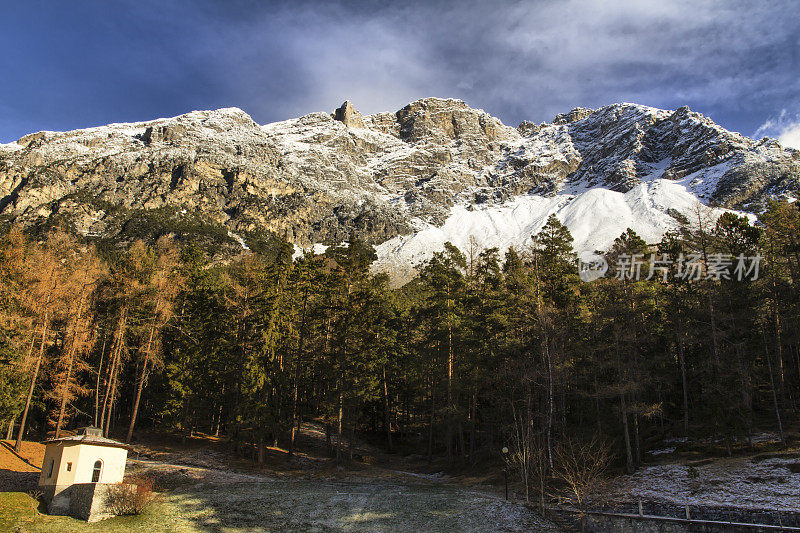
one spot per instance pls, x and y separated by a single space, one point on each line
790 136
785 127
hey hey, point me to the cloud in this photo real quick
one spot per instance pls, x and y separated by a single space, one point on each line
785 127
532 60
734 60
790 136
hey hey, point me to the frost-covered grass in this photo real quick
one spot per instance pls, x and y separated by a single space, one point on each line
326 506
771 482
300 506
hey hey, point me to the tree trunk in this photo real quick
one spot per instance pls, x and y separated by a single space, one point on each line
142 381
597 406
388 417
111 392
714 343
351 438
430 422
549 404
296 386
623 410
779 357
97 385
137 399
295 420
774 393
684 385
472 423
63 405
628 453
462 444
116 354
449 432
637 439
339 431
34 377
107 425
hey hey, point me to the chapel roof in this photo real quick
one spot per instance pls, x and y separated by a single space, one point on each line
87 436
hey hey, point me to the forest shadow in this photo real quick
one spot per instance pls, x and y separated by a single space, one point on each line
17 473
15 481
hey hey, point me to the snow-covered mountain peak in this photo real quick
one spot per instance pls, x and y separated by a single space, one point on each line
406 181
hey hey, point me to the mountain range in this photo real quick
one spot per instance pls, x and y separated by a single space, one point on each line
437 170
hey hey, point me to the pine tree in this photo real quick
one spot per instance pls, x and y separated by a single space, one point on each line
443 277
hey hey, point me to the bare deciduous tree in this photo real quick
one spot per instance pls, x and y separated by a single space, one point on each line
581 467
528 455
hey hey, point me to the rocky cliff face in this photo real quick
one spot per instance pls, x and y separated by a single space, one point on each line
385 178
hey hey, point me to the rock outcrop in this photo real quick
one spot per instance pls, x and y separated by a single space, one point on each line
348 115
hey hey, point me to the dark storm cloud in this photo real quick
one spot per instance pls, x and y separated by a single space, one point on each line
69 65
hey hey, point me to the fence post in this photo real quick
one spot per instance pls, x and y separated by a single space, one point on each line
688 517
641 510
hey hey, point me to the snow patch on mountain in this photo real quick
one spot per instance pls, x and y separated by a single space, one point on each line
12 146
238 238
595 217
317 249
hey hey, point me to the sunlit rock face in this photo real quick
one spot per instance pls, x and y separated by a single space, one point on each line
388 177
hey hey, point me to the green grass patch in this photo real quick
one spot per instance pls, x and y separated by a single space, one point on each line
17 514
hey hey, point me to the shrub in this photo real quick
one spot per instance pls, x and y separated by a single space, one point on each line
131 497
581 467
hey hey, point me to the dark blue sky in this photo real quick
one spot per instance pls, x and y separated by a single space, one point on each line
67 65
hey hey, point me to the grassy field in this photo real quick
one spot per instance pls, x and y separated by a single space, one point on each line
297 506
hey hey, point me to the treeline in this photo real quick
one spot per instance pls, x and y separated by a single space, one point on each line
482 350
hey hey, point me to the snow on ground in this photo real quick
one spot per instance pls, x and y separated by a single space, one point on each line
662 451
741 482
